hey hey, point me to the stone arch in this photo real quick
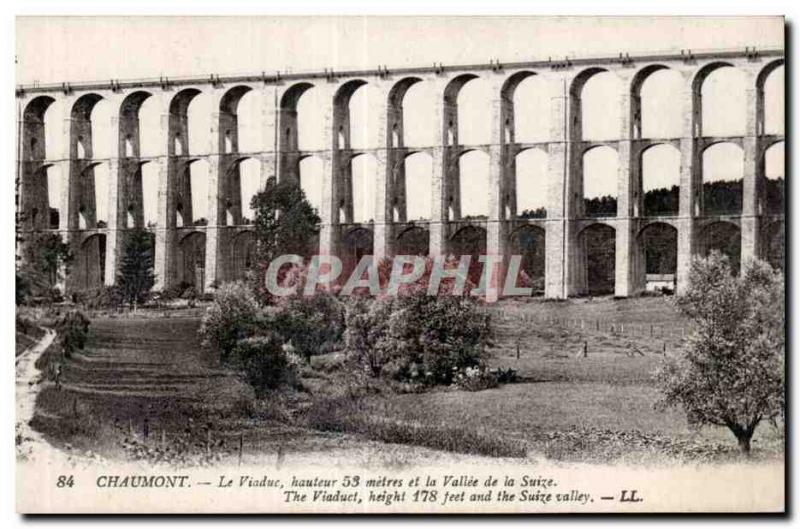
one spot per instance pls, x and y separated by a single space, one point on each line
723 236
507 123
450 132
577 122
228 127
761 96
249 184
364 189
722 170
596 260
341 113
132 213
659 170
531 170
288 140
243 258
178 127
656 262
129 129
528 242
81 126
33 128
773 164
472 198
356 243
310 170
192 191
650 114
34 197
698 80
470 240
418 181
414 240
192 260
395 119
599 167
90 269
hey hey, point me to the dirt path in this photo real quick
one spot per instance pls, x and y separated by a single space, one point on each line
29 440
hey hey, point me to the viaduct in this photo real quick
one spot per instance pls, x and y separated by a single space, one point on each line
221 248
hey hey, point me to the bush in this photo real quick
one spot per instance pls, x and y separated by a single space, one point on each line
475 379
314 325
367 335
105 297
419 338
233 316
73 329
265 363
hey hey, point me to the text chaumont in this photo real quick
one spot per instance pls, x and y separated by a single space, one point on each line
142 481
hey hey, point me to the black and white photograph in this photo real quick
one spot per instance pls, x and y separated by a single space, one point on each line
400 264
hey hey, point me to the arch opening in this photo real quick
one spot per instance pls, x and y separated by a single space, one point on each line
774 172
529 243
599 182
418 183
473 186
657 104
597 245
723 169
413 241
192 261
661 178
531 184
89 271
356 244
722 101
364 187
470 240
244 254
595 115
724 237
658 251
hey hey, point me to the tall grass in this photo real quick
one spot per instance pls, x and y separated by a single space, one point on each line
346 415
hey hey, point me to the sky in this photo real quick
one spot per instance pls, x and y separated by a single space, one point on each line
55 49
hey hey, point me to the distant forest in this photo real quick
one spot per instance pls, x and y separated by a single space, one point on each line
720 198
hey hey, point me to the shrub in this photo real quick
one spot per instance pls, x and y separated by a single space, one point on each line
312 324
265 363
232 317
105 297
420 338
475 379
367 333
73 329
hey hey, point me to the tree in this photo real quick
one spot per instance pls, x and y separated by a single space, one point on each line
732 371
136 276
285 223
233 316
44 253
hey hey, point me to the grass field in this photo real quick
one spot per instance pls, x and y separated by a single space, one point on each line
145 388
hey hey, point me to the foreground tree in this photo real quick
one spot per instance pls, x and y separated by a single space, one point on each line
232 317
44 256
285 223
136 276
732 371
